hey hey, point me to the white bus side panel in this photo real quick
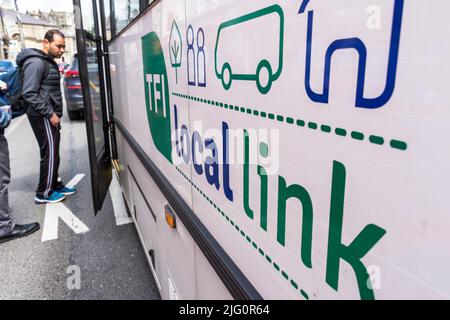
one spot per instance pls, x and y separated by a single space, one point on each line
353 171
173 248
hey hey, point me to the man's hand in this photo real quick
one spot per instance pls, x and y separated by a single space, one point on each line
3 86
54 120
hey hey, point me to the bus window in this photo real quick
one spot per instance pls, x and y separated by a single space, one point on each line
88 16
125 10
145 4
107 8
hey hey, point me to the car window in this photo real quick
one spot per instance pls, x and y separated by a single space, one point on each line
74 65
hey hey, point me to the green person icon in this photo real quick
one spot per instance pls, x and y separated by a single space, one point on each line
157 94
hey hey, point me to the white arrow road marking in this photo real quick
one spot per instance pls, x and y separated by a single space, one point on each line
72 183
120 211
52 214
58 210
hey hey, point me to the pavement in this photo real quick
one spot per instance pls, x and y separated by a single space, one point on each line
107 262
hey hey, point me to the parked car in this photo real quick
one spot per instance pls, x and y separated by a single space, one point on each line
72 91
7 65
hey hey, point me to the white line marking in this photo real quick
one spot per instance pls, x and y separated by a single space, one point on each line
72 183
52 214
120 211
14 125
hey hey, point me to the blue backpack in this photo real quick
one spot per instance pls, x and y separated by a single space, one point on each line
13 95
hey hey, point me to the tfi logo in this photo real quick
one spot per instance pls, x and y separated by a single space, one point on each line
157 94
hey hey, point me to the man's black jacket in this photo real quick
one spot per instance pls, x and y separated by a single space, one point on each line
41 83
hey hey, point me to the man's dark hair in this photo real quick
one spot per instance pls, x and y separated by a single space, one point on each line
50 35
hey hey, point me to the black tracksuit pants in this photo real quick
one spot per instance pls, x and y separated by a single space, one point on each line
48 138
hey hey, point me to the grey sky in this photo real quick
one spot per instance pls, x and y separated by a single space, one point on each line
45 5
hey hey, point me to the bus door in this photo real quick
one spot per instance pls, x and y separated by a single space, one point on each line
92 76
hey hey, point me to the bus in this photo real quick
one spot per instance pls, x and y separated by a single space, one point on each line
328 179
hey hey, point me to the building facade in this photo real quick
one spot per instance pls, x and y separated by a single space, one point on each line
63 21
27 30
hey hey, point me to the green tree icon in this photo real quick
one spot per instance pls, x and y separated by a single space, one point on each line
157 94
176 48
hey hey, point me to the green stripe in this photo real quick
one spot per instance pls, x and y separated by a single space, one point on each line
357 135
374 139
254 245
400 145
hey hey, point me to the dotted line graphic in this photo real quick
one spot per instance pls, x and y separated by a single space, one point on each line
247 238
323 128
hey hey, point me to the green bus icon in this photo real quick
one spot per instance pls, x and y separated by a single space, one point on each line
250 48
